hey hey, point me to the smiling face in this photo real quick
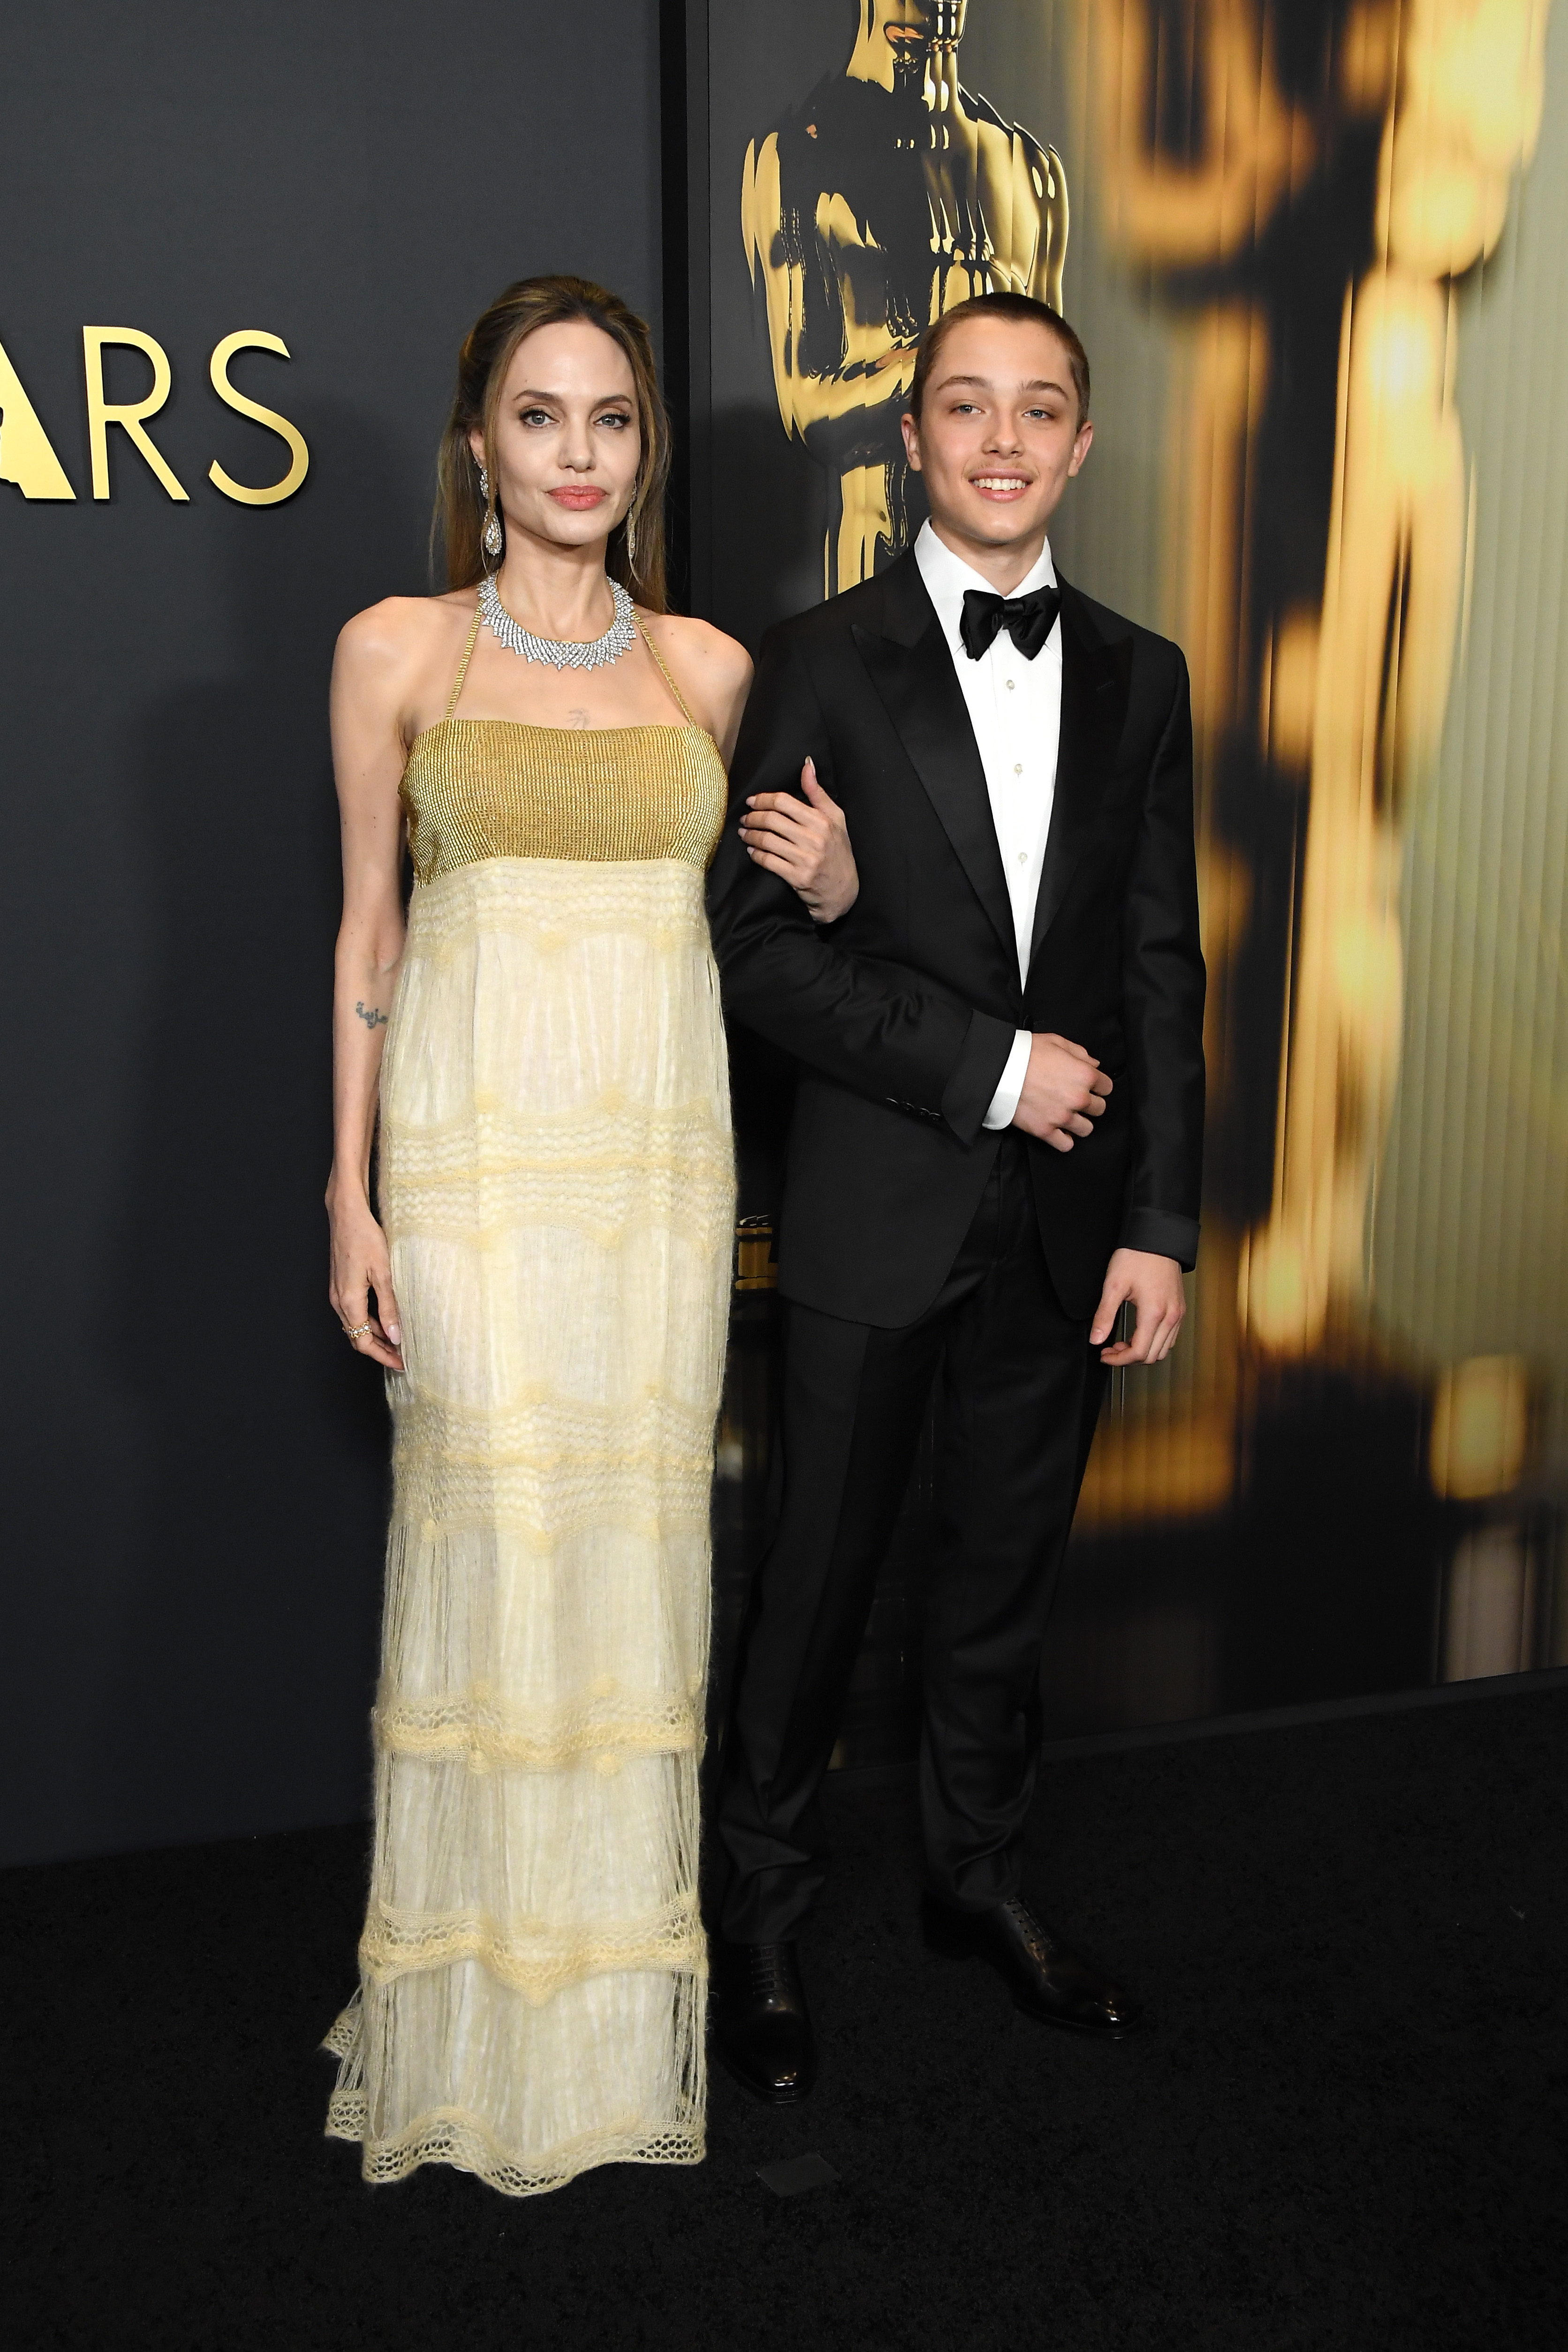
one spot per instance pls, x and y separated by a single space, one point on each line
997 439
565 436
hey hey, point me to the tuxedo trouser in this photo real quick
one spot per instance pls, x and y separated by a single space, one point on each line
1021 1393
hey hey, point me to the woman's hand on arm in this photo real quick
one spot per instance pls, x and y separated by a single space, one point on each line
807 842
378 654
880 1028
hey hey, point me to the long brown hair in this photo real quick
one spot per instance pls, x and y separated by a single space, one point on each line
461 514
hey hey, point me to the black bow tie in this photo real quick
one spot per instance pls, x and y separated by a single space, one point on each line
1028 620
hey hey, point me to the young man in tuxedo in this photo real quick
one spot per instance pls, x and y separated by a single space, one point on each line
996 1141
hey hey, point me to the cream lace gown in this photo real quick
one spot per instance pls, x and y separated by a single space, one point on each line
556 1187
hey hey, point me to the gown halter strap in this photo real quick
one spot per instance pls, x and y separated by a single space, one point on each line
463 665
664 673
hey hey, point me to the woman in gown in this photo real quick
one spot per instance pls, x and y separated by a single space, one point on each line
546 1287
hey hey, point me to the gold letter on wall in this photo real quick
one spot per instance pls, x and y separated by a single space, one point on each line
101 414
254 338
27 457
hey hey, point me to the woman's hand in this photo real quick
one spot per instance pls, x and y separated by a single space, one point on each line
361 1267
808 845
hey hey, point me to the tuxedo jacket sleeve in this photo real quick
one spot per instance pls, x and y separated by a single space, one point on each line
882 1028
1163 994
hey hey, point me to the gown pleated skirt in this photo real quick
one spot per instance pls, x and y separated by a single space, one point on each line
556 1187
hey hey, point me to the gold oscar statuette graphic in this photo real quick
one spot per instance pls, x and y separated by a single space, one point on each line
891 195
28 457
1290 219
1465 90
756 1267
1346 688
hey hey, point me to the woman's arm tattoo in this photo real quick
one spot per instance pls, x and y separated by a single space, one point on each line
371 1016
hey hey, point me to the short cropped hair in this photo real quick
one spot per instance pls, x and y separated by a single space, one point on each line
1027 312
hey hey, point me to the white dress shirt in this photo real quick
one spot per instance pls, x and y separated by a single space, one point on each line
1015 708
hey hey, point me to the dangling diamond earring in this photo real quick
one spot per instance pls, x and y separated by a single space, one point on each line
490 537
631 539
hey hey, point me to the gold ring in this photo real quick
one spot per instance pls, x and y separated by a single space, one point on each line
358 1332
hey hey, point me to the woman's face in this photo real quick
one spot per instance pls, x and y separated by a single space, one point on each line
567 442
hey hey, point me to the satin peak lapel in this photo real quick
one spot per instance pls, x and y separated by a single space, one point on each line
1095 680
912 670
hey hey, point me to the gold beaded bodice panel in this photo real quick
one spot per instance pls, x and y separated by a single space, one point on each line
481 788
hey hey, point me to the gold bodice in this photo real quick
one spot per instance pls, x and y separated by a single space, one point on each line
479 788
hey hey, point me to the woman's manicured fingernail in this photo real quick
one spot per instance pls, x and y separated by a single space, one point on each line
394 1335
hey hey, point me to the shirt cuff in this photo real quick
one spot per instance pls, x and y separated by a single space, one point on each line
1005 1101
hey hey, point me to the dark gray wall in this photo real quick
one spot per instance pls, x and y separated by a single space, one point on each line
194 1497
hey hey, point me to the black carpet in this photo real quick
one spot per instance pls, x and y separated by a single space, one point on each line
1350 2126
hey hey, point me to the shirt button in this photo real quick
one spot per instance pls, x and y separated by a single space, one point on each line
1011 683
1019 769
1023 858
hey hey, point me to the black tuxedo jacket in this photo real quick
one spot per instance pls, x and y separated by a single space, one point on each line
901 1015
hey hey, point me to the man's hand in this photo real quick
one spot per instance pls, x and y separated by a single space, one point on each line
1154 1286
1064 1091
808 845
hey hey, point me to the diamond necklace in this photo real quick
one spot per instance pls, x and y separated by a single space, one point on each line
561 652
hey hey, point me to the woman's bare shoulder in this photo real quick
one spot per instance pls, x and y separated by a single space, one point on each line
400 635
702 652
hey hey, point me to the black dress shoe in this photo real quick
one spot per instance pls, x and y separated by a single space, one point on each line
761 2023
1046 1979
